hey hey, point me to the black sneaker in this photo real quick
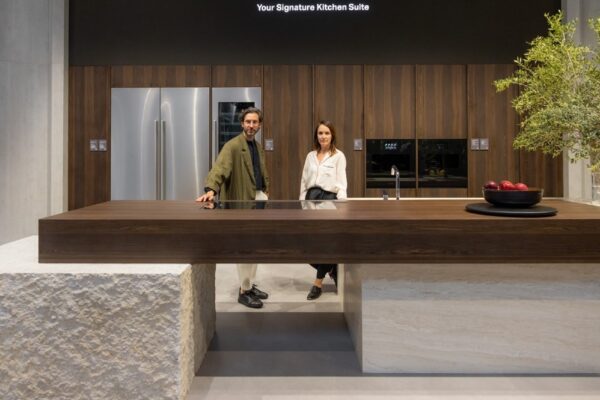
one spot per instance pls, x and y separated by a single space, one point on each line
246 298
259 294
315 293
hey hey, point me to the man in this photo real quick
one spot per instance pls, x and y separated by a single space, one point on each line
240 174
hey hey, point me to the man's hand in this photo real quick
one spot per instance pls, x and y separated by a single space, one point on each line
208 196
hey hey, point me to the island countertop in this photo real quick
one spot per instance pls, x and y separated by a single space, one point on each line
367 231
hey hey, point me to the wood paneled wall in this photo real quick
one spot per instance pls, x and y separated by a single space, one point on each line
237 75
542 171
491 116
160 76
338 94
371 101
89 118
390 102
441 101
288 105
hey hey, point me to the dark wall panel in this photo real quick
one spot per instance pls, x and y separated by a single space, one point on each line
491 116
441 101
287 99
160 76
542 171
116 32
236 75
89 118
390 101
338 95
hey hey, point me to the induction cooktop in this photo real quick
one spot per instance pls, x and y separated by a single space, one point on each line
271 204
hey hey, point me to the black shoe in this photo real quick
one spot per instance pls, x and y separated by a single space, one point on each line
333 274
259 294
246 298
315 293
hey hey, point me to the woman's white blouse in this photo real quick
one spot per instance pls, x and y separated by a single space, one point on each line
329 174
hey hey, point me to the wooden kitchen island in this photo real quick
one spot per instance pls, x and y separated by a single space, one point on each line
365 231
429 287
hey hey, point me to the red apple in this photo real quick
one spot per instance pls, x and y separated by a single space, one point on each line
491 185
521 186
507 185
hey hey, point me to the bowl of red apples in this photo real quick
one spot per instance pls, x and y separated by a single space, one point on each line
508 194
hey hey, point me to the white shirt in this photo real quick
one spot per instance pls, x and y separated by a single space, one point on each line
328 174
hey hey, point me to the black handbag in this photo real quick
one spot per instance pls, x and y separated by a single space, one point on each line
317 193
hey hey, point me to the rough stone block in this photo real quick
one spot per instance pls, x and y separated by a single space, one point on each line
100 331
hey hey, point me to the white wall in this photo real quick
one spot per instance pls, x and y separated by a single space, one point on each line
577 177
33 119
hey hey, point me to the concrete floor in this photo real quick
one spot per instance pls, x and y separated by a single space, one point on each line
296 349
287 285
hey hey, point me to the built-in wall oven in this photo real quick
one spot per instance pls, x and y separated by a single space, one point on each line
382 154
443 163
423 163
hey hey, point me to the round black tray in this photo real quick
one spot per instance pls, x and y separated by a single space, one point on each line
490 209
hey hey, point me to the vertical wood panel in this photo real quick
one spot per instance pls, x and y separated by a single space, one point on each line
339 98
287 101
542 171
389 102
236 75
491 116
160 76
441 102
89 93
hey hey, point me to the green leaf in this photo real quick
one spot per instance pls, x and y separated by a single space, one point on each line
559 93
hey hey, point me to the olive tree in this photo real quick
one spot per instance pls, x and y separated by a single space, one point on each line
559 94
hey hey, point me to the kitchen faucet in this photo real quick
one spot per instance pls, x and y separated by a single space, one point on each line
396 172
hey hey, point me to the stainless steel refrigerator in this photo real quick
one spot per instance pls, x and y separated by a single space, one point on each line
161 138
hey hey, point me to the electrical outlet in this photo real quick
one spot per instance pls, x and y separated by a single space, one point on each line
484 144
269 145
358 144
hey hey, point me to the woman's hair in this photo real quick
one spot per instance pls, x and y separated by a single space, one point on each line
316 145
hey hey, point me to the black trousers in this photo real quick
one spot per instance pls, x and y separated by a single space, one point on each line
323 269
317 193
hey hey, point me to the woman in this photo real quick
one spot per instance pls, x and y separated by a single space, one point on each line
323 178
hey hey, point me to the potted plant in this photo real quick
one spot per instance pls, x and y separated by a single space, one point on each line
559 94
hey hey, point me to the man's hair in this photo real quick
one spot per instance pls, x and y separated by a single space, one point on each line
251 110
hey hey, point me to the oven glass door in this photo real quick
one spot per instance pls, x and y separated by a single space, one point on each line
382 154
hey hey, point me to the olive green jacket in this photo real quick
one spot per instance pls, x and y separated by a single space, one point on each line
232 174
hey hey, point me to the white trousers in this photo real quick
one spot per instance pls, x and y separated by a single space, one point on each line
247 272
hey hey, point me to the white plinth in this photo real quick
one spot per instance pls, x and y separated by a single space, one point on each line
475 319
100 331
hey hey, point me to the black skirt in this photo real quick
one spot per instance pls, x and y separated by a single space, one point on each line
317 193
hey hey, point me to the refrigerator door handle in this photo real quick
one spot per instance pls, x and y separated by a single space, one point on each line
158 159
163 158
215 138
